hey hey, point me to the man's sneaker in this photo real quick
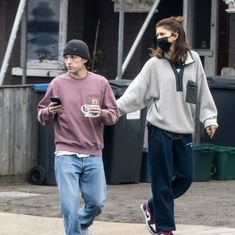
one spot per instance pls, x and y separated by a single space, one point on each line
149 218
85 232
165 233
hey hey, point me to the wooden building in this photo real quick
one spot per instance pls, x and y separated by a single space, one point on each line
46 25
50 23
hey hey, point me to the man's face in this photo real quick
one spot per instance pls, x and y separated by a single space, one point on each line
74 63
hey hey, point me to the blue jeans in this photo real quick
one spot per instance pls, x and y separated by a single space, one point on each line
75 174
170 159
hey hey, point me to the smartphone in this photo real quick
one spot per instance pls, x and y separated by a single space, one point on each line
56 100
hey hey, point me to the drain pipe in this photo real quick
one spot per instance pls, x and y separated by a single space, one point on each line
24 48
139 36
120 38
12 38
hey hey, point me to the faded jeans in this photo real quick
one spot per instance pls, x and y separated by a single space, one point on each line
86 175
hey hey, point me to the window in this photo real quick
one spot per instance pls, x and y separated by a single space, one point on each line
202 30
45 37
202 24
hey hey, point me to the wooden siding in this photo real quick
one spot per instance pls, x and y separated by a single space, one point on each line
18 130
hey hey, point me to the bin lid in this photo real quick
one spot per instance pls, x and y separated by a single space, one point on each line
120 83
40 87
221 82
119 86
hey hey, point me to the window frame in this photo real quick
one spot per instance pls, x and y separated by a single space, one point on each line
49 67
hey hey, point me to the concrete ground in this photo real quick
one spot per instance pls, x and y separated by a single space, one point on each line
37 225
207 208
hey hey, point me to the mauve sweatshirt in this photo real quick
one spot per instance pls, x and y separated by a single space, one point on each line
73 131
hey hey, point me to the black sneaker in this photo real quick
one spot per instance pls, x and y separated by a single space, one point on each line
149 218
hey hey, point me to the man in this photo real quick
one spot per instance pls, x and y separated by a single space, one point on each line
86 104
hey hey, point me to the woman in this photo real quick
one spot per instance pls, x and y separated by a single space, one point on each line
173 85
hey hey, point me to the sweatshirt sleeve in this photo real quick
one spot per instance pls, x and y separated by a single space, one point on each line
136 95
43 114
207 107
109 114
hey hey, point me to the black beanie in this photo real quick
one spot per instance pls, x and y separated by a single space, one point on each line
77 47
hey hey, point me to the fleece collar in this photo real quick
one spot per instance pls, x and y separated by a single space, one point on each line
189 59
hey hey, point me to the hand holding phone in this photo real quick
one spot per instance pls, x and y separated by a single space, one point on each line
55 106
56 100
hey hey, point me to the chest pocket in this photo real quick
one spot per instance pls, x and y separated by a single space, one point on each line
191 92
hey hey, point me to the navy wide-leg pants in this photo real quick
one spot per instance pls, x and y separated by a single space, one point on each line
170 164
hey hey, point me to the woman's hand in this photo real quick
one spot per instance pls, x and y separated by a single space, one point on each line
211 130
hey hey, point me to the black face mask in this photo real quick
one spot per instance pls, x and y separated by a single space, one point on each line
164 44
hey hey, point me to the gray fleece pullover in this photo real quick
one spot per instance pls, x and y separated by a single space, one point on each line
172 100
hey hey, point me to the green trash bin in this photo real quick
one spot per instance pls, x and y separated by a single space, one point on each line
224 163
203 155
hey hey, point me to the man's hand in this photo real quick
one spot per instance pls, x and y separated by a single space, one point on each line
211 130
53 108
95 110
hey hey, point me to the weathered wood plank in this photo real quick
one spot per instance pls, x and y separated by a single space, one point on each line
18 130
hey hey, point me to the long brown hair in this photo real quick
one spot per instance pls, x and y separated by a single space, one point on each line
181 46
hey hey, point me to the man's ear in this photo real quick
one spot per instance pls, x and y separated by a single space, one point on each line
85 60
